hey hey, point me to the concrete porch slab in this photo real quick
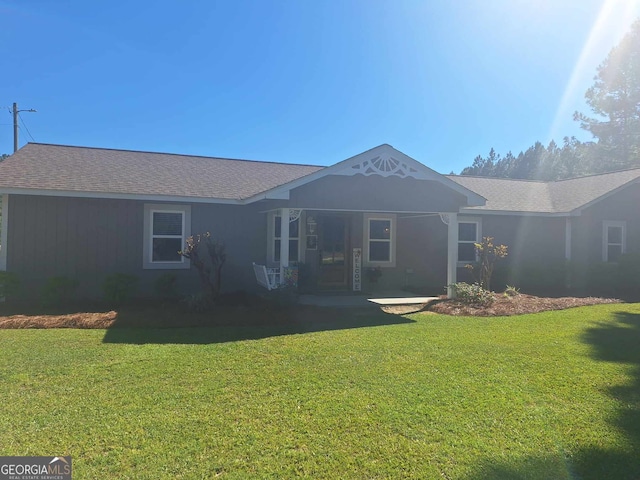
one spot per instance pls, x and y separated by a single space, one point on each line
381 299
402 300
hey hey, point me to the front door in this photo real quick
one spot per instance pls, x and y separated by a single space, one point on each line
332 251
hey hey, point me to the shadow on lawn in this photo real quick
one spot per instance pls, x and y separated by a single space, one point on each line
619 342
232 325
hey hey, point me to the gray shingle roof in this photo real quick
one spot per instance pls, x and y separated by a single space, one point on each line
105 171
510 195
563 196
99 170
568 195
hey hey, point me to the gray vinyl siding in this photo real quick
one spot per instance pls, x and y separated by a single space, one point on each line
88 239
529 239
421 255
532 242
376 194
587 229
76 237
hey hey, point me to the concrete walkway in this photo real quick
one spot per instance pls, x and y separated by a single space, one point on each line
381 299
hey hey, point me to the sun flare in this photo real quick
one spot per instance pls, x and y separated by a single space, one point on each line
613 21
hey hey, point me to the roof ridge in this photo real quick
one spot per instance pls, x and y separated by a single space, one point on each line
174 154
595 174
498 178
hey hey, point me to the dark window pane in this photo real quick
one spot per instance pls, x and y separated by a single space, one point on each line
293 250
293 228
379 251
379 229
466 252
614 235
332 258
467 232
166 249
614 252
167 223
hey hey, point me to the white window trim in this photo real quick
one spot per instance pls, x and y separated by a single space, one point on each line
605 237
5 231
271 235
147 249
478 222
392 240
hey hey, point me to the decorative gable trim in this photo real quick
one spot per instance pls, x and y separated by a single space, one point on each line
384 165
384 161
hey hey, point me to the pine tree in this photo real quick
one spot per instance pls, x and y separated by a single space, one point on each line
615 99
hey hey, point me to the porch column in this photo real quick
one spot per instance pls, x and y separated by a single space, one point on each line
452 253
284 242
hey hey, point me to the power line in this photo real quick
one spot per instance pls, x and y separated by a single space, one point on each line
26 128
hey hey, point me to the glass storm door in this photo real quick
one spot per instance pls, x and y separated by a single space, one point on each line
332 251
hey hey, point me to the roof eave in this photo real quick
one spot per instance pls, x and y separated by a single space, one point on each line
523 213
118 196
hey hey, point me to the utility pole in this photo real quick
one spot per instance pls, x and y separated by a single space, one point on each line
15 127
15 124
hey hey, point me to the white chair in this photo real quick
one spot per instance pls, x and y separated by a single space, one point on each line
267 277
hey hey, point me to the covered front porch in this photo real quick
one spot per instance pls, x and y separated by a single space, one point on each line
377 221
362 252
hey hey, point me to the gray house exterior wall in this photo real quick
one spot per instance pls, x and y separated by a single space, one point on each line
533 242
88 239
588 227
376 194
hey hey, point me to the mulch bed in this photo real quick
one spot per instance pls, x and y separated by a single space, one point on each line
514 305
69 320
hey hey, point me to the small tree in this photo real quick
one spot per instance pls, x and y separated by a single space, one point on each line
487 254
208 256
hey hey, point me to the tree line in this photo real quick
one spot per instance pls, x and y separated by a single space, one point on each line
614 99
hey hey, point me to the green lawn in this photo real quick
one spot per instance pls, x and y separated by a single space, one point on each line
545 396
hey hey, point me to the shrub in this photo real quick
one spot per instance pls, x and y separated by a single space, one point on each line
166 286
9 284
373 274
59 290
487 254
119 288
511 291
208 256
472 294
198 302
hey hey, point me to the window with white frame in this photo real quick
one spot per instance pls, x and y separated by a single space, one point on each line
613 240
468 236
294 239
379 242
165 232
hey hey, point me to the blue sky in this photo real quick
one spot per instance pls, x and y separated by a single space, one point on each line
301 81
